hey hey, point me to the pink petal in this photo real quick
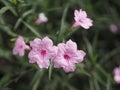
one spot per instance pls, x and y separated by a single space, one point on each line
71 68
54 52
76 24
27 47
87 23
117 79
117 71
41 19
71 45
43 63
38 21
76 14
21 52
35 43
81 54
47 41
61 48
15 52
33 56
113 28
82 14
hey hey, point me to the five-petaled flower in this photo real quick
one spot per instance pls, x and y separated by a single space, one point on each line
81 19
41 19
68 56
117 75
42 51
20 47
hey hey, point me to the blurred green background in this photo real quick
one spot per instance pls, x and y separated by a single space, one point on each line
17 17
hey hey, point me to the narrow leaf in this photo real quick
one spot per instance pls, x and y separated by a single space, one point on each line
4 9
31 29
108 85
37 78
62 23
19 21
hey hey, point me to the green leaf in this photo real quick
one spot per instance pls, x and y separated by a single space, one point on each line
62 23
14 1
89 48
108 85
91 84
81 69
36 80
19 21
6 28
12 9
109 55
31 29
95 39
5 79
4 9
102 70
96 84
5 53
100 80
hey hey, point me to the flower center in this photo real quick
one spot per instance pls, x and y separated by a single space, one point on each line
43 52
81 20
66 57
21 46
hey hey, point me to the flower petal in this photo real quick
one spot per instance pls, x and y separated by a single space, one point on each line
87 23
35 43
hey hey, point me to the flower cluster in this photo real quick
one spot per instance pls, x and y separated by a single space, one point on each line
64 55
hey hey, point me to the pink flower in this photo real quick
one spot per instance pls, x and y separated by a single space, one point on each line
20 47
117 75
41 19
81 19
68 56
113 28
42 51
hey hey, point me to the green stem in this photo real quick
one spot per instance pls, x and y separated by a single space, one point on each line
50 69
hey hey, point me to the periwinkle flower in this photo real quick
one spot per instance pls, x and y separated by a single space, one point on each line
81 19
42 51
20 47
41 19
68 56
